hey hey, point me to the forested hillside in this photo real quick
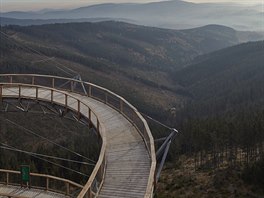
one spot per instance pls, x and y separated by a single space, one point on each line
124 45
222 126
226 107
131 57
227 79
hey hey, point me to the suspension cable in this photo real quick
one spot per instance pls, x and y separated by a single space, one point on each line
166 126
29 49
46 58
5 147
48 140
56 164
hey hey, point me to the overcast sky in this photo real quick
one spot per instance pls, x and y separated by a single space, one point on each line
25 5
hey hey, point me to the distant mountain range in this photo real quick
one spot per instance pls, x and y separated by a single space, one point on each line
28 22
173 14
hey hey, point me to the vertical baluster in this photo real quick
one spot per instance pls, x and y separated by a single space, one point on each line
53 82
90 91
71 86
106 97
121 106
67 188
19 92
79 110
90 118
66 101
37 93
89 193
47 183
7 178
1 93
51 96
97 127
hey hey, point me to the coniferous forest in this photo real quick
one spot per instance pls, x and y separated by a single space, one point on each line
216 93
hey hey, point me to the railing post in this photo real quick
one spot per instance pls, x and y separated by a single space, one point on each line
11 79
1 93
71 86
144 131
89 114
79 109
33 80
121 106
101 174
97 127
133 119
53 82
19 92
51 96
36 93
89 193
67 188
90 90
7 178
47 183
66 100
90 118
106 99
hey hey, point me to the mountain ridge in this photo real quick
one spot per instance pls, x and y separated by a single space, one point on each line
167 14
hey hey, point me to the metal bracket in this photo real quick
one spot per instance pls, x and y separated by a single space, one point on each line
163 151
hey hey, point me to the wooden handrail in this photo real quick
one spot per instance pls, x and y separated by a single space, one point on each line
45 176
19 85
67 182
145 132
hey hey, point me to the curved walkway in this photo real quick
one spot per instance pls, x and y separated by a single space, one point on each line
128 162
127 159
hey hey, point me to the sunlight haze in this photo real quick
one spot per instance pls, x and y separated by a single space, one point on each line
33 5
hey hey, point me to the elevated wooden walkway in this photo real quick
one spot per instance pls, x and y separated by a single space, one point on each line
126 164
18 192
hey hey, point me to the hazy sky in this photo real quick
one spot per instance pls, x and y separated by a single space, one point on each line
22 5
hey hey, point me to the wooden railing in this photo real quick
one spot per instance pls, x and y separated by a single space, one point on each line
40 181
99 93
19 90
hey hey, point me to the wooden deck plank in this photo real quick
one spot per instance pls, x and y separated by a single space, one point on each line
28 193
129 147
